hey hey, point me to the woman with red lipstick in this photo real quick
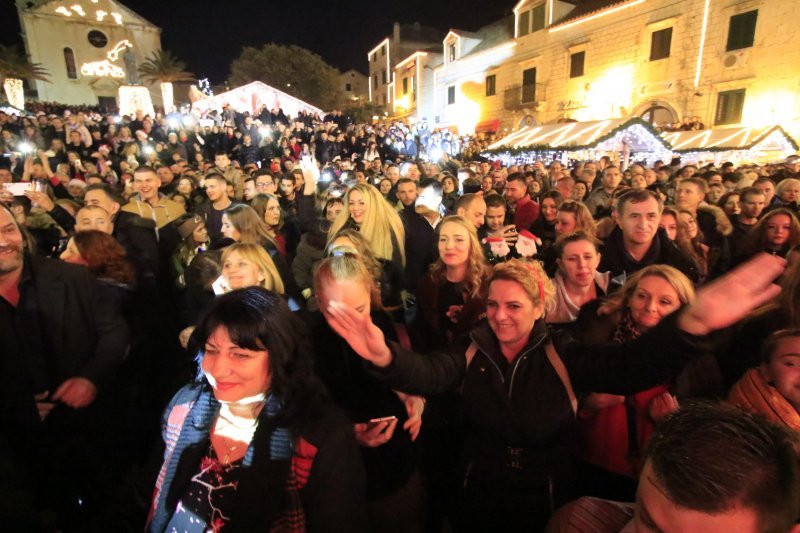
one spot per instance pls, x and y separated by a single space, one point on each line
251 444
517 383
449 302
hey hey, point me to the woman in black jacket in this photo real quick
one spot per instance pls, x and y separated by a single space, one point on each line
516 382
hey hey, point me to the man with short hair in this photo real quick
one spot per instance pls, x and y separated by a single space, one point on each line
288 194
234 176
62 343
708 468
522 210
167 178
420 225
767 188
406 194
250 190
637 241
149 202
264 182
751 205
410 170
472 207
214 207
93 217
599 201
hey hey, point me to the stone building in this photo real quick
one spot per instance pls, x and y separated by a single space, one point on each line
404 40
89 48
727 62
354 85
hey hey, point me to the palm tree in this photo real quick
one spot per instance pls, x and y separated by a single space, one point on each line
164 67
15 67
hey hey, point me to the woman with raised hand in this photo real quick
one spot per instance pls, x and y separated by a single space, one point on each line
518 382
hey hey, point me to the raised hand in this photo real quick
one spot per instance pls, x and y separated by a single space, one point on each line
727 300
364 337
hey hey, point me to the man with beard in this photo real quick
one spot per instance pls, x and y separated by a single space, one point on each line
60 345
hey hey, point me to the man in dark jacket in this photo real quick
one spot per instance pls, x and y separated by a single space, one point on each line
638 242
420 225
61 343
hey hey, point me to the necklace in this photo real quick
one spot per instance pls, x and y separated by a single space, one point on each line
230 449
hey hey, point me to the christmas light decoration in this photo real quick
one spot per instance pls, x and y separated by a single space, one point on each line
205 87
117 18
133 98
166 96
101 15
64 11
78 9
102 69
14 92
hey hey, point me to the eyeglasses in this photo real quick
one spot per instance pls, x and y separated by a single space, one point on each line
264 185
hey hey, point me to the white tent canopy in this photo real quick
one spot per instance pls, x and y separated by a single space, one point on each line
249 98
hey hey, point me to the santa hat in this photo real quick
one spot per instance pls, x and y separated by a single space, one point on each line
528 235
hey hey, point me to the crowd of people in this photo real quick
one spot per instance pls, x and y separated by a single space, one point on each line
236 322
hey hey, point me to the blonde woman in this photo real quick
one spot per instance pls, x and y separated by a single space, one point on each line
249 265
518 383
242 224
367 211
449 299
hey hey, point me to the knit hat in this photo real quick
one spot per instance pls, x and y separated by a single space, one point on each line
189 225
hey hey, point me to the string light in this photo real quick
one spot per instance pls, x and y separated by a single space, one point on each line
78 9
14 92
167 96
133 98
117 18
64 11
101 15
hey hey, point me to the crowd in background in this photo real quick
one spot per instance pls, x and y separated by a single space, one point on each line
414 337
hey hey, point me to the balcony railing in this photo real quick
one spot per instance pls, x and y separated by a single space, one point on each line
521 96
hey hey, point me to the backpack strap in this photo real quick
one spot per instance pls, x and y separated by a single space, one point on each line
561 370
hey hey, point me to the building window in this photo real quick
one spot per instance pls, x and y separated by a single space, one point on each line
729 107
537 18
529 85
524 23
348 87
383 76
491 85
383 51
530 20
576 63
69 60
742 30
375 81
373 57
451 95
660 44
97 39
451 52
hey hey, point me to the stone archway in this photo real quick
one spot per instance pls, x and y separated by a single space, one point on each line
657 112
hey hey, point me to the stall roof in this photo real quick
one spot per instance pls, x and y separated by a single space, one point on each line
596 135
250 97
773 138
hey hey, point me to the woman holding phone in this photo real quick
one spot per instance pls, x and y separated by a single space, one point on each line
386 422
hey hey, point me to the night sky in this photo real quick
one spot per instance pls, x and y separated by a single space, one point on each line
208 35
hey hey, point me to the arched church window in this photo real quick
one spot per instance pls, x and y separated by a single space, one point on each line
69 59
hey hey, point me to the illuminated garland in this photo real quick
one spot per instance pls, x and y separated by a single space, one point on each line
513 151
758 140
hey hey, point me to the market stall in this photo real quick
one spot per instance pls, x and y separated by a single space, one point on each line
249 98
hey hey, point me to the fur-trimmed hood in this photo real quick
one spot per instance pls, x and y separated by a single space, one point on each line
724 225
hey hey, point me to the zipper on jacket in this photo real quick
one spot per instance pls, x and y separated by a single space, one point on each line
516 365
